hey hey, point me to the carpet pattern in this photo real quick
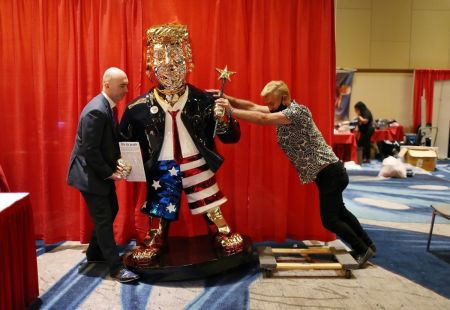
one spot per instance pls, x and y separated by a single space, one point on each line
402 275
396 200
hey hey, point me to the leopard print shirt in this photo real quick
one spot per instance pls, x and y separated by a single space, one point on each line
303 143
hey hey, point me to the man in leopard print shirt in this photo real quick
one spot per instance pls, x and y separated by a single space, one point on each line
312 157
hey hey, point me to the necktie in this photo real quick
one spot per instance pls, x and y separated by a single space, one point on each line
115 116
175 139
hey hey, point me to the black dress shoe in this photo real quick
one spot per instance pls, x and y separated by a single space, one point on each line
363 258
124 275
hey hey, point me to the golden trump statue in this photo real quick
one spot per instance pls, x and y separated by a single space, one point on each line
175 126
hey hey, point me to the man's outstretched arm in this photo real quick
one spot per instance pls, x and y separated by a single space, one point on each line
245 110
241 104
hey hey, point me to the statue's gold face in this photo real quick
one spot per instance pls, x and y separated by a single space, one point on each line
169 65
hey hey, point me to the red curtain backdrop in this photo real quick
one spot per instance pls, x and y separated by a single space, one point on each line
52 58
424 84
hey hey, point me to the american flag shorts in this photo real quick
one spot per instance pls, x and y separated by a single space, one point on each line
200 185
168 178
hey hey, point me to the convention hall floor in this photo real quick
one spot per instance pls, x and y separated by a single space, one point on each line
403 275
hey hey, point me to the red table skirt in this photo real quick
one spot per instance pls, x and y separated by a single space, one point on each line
344 146
391 134
19 286
346 149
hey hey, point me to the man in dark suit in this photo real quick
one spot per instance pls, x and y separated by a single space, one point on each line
94 167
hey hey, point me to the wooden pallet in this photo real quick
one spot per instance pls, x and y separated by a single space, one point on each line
276 259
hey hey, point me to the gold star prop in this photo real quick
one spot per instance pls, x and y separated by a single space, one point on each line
224 73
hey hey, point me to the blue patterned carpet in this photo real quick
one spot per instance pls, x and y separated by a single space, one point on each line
401 252
226 291
410 198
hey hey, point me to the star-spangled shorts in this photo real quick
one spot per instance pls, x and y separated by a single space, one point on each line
168 179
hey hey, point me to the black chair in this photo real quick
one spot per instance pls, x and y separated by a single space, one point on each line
439 209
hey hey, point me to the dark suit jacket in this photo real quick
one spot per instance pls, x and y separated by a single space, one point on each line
96 149
144 121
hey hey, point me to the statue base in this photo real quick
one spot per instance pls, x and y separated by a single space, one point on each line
194 258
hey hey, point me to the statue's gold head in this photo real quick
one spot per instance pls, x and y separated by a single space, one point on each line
167 41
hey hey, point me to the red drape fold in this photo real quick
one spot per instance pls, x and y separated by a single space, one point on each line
4 187
19 272
52 58
424 85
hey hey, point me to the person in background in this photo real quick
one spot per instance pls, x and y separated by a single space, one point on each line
365 128
94 167
314 160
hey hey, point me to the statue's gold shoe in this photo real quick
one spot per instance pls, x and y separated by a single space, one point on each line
230 243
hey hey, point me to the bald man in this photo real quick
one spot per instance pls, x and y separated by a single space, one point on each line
94 167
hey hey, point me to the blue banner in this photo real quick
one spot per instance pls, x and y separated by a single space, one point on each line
344 81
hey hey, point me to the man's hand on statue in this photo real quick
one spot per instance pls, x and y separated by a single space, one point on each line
214 92
223 103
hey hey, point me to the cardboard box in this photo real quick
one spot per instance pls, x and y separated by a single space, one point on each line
420 156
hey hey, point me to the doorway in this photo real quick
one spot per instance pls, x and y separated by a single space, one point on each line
441 117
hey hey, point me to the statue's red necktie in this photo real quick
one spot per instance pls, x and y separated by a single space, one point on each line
175 139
